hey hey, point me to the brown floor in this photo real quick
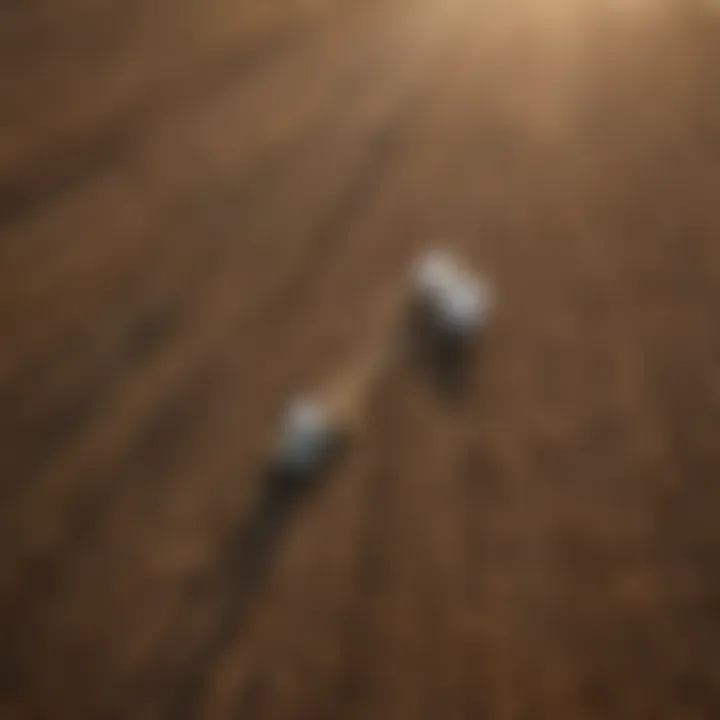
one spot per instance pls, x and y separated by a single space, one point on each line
202 203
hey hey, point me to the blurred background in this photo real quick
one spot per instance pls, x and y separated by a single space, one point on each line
202 207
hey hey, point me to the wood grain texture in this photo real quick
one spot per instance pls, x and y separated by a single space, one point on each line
203 207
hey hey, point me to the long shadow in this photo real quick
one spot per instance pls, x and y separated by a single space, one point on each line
244 564
251 549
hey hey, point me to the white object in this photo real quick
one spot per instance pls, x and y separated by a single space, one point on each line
305 436
458 300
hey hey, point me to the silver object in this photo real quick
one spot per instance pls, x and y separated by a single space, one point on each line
306 436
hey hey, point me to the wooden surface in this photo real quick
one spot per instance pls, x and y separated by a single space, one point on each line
203 204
